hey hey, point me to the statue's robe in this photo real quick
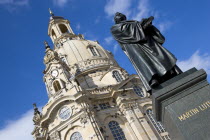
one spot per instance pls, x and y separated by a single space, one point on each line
144 49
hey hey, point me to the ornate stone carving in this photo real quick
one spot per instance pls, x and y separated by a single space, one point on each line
55 136
88 64
84 118
50 54
39 132
131 120
92 136
99 90
37 115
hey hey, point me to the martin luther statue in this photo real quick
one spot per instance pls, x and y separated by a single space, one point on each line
142 43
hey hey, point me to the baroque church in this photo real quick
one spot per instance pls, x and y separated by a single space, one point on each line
90 96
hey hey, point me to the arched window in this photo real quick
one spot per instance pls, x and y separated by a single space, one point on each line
138 91
117 76
56 86
93 51
63 28
105 105
76 136
53 34
117 132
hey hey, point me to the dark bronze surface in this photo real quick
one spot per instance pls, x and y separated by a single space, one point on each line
142 43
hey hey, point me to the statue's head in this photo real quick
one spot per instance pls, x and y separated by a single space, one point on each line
119 17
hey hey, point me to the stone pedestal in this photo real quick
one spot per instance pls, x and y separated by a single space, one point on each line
182 104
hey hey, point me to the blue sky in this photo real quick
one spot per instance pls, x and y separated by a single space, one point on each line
24 24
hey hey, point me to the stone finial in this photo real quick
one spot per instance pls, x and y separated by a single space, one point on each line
51 13
36 111
37 114
34 105
46 45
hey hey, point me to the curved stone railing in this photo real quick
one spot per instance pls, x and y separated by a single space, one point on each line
88 64
65 37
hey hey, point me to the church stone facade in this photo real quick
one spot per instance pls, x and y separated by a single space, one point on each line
90 96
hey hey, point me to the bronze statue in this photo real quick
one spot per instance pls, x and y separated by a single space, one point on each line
142 43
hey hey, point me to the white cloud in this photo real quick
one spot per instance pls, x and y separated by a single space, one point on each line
109 40
142 9
18 129
113 6
78 26
90 36
13 5
163 26
60 3
200 61
116 46
14 2
97 20
124 6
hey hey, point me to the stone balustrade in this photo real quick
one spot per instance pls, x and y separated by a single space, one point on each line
83 66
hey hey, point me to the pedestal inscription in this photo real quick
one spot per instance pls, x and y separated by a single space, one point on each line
182 104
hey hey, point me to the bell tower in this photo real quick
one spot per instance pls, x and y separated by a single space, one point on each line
58 26
90 96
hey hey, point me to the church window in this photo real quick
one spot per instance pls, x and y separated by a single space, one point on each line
56 86
117 76
93 51
138 91
104 105
76 136
117 132
65 113
53 34
63 28
157 125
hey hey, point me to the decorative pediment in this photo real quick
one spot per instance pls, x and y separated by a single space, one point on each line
51 108
55 136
